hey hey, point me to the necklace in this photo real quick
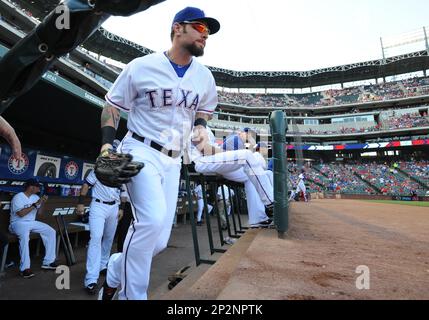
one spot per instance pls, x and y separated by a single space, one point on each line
167 53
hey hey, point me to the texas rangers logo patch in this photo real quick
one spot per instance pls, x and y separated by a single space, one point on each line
71 170
18 166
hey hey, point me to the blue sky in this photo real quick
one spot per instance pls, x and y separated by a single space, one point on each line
284 35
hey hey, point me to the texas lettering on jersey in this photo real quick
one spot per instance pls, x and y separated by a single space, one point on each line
162 98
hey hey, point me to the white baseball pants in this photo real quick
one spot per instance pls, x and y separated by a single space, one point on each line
153 195
255 206
227 162
22 229
103 220
201 208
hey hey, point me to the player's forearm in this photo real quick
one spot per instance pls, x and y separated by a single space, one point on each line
25 211
109 124
84 190
201 136
80 202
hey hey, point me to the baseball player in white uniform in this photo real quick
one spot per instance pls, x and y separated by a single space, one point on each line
24 207
261 151
200 200
300 187
227 162
167 96
239 165
104 213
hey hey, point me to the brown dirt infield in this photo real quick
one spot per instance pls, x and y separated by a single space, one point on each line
327 241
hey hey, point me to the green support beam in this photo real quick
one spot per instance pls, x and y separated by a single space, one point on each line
278 125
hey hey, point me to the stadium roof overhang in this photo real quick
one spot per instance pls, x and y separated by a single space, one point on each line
406 63
120 49
123 50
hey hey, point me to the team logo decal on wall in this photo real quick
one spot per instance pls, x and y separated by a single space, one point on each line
71 170
18 166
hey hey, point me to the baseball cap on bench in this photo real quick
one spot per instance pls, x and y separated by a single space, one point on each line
195 14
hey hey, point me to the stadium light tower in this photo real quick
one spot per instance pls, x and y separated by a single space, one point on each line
426 39
382 50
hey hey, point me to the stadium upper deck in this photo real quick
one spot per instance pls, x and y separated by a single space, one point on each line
107 44
359 109
364 115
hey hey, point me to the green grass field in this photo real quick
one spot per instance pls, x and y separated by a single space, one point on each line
405 203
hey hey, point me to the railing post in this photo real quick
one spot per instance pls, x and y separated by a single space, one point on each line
206 213
191 216
278 125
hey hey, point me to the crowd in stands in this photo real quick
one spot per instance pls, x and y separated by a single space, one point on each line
254 100
341 178
418 169
406 121
365 178
343 130
368 93
413 120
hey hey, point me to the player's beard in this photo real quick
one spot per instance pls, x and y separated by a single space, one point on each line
194 50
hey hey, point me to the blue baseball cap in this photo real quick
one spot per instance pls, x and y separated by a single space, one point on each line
195 14
249 130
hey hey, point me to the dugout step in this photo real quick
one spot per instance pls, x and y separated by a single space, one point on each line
207 285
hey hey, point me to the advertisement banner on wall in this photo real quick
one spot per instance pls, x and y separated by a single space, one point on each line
55 171
86 168
47 166
13 168
71 170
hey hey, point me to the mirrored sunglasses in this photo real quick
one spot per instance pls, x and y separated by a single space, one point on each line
199 26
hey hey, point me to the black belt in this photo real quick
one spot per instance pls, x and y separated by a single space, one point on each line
110 203
156 146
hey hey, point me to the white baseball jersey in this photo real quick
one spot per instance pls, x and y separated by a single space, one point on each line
199 191
100 191
21 201
162 106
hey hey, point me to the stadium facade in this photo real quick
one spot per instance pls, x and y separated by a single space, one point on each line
385 122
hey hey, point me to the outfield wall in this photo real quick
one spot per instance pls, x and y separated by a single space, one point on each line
320 195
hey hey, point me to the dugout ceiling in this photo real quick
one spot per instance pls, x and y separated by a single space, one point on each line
51 119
